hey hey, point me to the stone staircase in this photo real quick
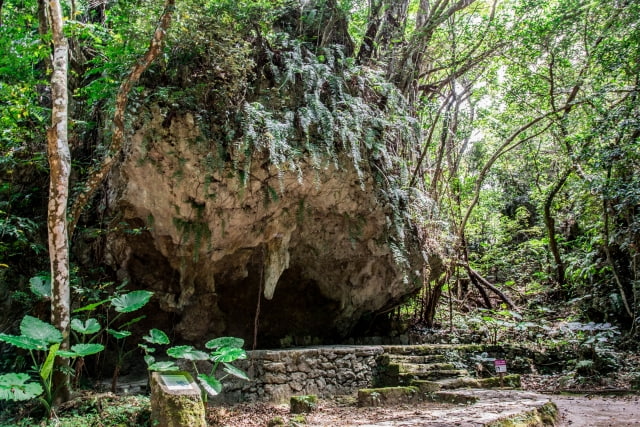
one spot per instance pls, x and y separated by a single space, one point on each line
429 372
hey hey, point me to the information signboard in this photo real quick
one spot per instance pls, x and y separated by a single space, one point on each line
176 382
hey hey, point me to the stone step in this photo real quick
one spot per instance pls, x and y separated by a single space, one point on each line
429 358
430 349
429 373
509 381
459 382
406 378
425 368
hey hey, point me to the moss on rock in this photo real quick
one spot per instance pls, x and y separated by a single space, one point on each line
388 396
303 404
546 415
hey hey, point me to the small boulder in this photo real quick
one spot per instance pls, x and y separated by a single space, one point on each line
303 404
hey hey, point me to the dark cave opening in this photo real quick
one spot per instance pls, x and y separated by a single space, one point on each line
298 313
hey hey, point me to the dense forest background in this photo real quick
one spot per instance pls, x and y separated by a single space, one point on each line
511 130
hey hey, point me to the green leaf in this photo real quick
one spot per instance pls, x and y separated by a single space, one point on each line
210 384
118 334
236 372
90 326
164 366
156 336
227 354
41 286
81 350
16 387
146 348
91 307
25 343
187 352
149 359
47 366
87 349
131 302
225 342
38 330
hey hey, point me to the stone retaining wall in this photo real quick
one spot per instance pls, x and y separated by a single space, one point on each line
278 374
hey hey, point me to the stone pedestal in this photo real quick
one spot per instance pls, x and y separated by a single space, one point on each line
176 400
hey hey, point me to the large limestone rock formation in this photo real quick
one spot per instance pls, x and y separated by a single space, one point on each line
307 254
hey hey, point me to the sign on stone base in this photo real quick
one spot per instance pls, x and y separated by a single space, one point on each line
176 400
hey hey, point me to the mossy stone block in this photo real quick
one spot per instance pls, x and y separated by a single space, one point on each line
511 380
303 404
452 397
426 386
388 396
546 415
176 400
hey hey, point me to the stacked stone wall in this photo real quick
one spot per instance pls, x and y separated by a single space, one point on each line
278 374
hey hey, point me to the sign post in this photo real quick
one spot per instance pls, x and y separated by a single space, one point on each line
501 369
176 400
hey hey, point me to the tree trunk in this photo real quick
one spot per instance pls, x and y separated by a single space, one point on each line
60 167
367 47
551 227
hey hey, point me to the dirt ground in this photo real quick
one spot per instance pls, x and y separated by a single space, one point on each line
575 410
589 410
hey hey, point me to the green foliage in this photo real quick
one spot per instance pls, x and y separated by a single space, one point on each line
225 351
39 336
18 387
81 350
156 336
131 301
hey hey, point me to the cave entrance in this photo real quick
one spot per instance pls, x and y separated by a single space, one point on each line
298 314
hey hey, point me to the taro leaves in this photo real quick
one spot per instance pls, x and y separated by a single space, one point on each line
131 302
35 335
18 387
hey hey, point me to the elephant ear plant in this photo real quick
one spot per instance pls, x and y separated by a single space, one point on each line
116 329
223 351
38 336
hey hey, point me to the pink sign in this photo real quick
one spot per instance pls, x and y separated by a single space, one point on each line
500 365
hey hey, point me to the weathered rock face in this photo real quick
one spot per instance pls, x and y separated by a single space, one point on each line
307 255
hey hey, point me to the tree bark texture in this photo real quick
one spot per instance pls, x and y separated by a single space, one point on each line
551 227
60 168
98 175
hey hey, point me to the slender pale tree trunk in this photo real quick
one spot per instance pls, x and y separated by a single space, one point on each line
60 167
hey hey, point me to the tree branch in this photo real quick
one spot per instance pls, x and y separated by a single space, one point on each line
98 175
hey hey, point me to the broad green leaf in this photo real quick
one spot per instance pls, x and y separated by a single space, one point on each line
16 387
156 336
131 302
38 330
81 350
47 366
210 384
118 334
87 349
90 326
146 348
228 354
23 342
225 342
149 359
91 307
187 352
41 286
236 372
164 366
